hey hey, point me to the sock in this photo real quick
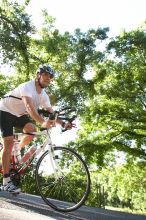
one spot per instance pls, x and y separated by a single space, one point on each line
6 178
6 175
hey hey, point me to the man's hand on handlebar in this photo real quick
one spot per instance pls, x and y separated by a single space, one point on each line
59 117
48 124
51 120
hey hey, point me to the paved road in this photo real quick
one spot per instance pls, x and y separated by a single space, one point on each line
28 207
13 213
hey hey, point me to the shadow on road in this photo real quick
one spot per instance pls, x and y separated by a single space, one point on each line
40 208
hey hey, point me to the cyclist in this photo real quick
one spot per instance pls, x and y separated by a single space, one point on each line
15 109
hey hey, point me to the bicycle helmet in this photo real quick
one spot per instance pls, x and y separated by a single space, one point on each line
46 68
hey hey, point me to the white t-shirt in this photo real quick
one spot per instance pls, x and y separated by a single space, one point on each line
16 106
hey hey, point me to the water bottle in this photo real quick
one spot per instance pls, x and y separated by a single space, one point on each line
28 154
17 153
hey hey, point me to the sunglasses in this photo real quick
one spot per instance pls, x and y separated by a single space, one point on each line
49 74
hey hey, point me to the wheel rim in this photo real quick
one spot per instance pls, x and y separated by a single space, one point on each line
67 190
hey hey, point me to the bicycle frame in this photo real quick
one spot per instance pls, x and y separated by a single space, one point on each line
47 145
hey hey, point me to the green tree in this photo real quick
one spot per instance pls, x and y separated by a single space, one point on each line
115 116
15 31
5 85
124 186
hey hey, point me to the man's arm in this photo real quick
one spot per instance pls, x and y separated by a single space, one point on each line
66 125
28 102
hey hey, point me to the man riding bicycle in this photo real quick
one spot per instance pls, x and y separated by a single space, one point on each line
17 108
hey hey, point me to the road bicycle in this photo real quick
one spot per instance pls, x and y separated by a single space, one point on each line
61 175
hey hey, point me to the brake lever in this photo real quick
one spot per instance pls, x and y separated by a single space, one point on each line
70 120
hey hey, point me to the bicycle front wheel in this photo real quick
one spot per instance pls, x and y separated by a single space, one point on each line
66 186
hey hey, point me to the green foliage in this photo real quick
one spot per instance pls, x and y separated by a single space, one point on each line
4 85
124 186
28 184
15 33
115 116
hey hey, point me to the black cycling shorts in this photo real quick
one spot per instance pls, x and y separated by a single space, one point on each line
9 121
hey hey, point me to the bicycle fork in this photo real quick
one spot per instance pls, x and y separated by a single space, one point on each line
53 161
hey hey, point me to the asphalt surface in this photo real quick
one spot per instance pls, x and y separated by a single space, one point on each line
28 207
15 214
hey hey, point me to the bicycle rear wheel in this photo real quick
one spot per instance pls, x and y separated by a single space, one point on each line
67 188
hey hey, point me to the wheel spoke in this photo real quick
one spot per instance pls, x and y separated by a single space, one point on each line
67 189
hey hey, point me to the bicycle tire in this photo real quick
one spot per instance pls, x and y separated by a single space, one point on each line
71 188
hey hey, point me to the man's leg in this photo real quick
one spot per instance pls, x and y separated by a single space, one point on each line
26 139
8 185
6 156
7 121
